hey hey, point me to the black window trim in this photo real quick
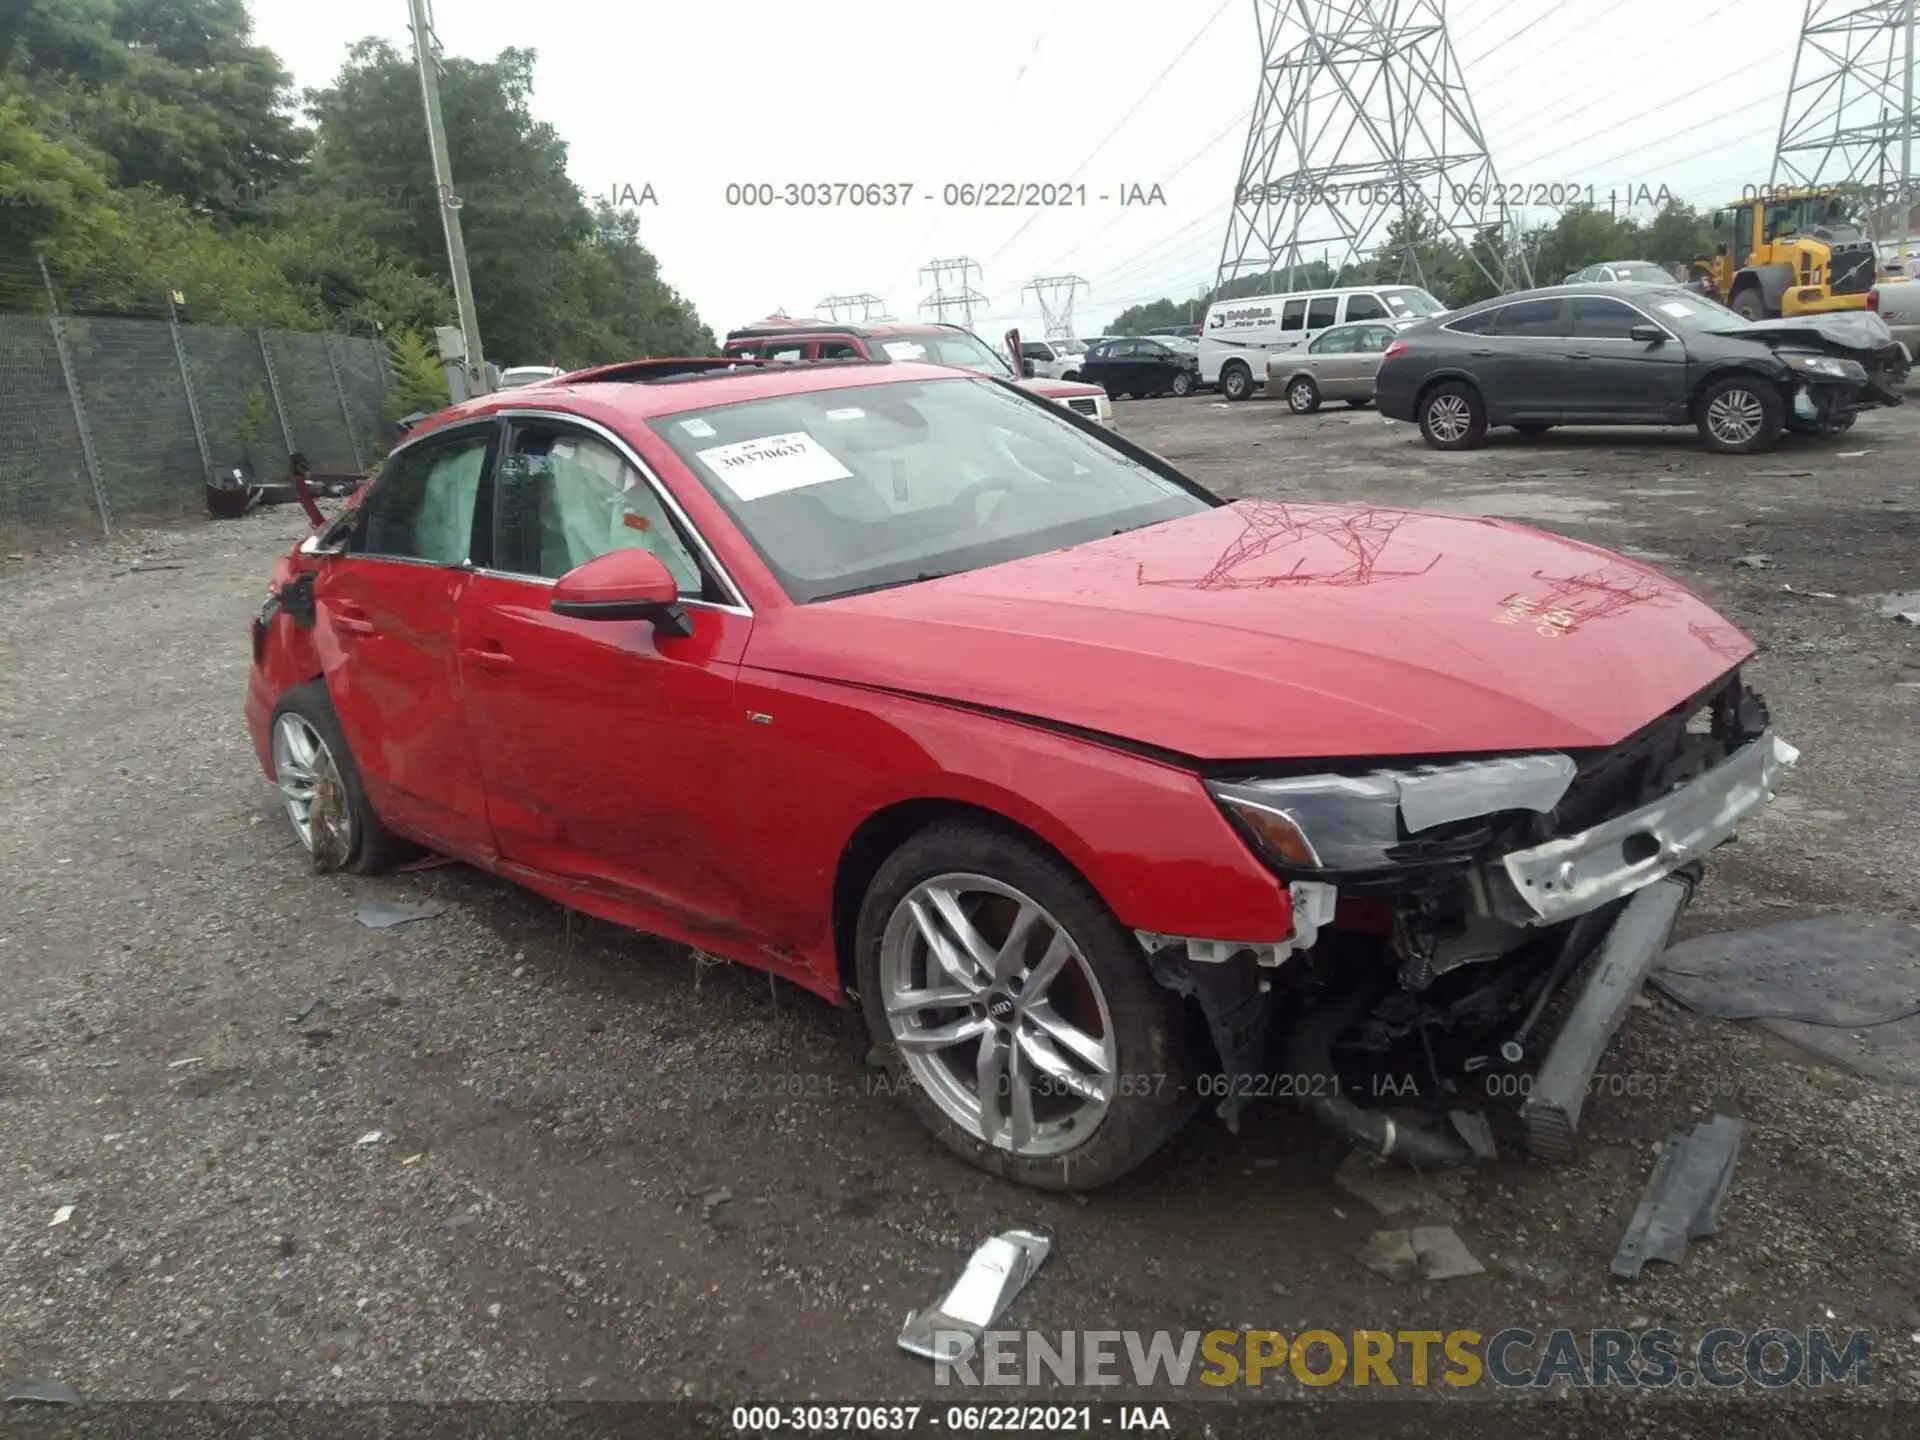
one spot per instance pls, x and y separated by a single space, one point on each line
703 552
479 537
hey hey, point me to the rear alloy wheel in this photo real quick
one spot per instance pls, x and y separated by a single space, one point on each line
1303 396
321 791
1236 381
1740 415
1183 383
1018 1014
1453 417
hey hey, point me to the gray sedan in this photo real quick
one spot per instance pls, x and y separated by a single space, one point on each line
1338 365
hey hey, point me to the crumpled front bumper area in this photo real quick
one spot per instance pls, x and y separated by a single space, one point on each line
1574 874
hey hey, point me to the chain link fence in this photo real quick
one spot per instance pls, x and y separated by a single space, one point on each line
106 419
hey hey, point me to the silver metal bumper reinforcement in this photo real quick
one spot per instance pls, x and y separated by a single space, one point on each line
1579 873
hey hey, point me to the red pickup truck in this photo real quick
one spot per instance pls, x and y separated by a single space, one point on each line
780 338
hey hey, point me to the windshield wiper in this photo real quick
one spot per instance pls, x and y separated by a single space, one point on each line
891 584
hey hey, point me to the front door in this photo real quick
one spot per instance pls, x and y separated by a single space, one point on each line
1616 377
386 619
609 750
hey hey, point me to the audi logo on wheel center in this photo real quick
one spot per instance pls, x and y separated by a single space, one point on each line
1000 1008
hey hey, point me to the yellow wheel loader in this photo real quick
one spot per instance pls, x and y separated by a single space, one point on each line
1788 252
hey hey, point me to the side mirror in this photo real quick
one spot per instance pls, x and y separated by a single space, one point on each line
1647 334
1026 369
623 585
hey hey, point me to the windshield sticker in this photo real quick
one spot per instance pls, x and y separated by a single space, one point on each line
698 428
850 413
754 469
1677 309
903 350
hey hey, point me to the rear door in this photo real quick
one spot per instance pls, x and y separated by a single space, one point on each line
1369 348
386 620
1524 362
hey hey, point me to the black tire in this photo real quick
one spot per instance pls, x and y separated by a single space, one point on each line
1071 375
1236 381
1149 1026
1303 395
1532 432
1740 415
369 848
1748 301
1448 403
1358 404
1183 383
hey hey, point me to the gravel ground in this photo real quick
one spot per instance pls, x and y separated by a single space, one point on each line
486 1155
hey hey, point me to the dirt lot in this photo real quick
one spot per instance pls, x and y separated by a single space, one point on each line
561 1204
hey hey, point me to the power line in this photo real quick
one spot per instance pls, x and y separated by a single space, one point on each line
1545 15
1131 112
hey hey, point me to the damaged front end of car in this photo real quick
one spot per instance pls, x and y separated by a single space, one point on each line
1842 363
1442 908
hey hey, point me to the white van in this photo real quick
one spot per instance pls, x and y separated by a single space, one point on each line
1239 335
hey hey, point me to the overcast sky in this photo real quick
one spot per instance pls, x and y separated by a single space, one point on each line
691 98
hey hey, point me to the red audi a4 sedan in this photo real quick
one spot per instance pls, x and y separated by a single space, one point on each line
1104 799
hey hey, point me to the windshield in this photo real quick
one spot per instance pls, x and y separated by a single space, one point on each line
870 486
1643 274
1412 302
1692 311
1068 347
947 347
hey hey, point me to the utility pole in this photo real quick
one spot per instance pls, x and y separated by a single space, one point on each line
1055 294
871 307
426 51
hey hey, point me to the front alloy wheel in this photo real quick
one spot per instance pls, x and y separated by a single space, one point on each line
997 1016
1183 383
1017 1017
1741 415
310 787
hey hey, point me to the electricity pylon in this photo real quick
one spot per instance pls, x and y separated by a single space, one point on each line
1363 118
944 302
1849 117
871 307
1056 313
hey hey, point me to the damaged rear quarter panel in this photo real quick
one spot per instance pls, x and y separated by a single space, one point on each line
1143 833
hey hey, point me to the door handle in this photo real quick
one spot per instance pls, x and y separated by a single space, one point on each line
1480 352
488 659
1579 355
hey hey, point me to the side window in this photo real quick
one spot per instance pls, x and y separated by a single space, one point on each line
1532 317
1365 307
1598 318
1323 311
567 498
422 507
1742 234
1335 342
787 352
1294 315
1034 350
837 350
1377 339
1480 324
1123 350
1154 350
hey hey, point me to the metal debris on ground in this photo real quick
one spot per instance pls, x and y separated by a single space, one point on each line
1426 1252
182 1064
1472 1127
1903 606
1682 1202
999 1270
372 1137
41 1392
1754 562
379 915
713 1200
1811 594
62 1215
1365 1177
1845 988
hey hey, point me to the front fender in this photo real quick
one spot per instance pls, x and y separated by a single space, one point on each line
1144 833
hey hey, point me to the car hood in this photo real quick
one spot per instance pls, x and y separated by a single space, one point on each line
1840 332
1262 630
1058 389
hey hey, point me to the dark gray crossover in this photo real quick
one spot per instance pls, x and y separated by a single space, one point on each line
1632 354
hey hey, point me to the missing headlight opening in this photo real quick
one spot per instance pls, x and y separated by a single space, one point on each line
1443 908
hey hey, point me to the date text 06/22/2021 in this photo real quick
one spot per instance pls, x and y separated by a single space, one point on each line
953 194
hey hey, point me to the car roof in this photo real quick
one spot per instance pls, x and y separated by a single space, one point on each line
773 329
635 392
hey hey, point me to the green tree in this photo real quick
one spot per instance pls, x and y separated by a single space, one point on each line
419 382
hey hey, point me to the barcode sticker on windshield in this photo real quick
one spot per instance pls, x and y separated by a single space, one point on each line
698 428
904 350
753 469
